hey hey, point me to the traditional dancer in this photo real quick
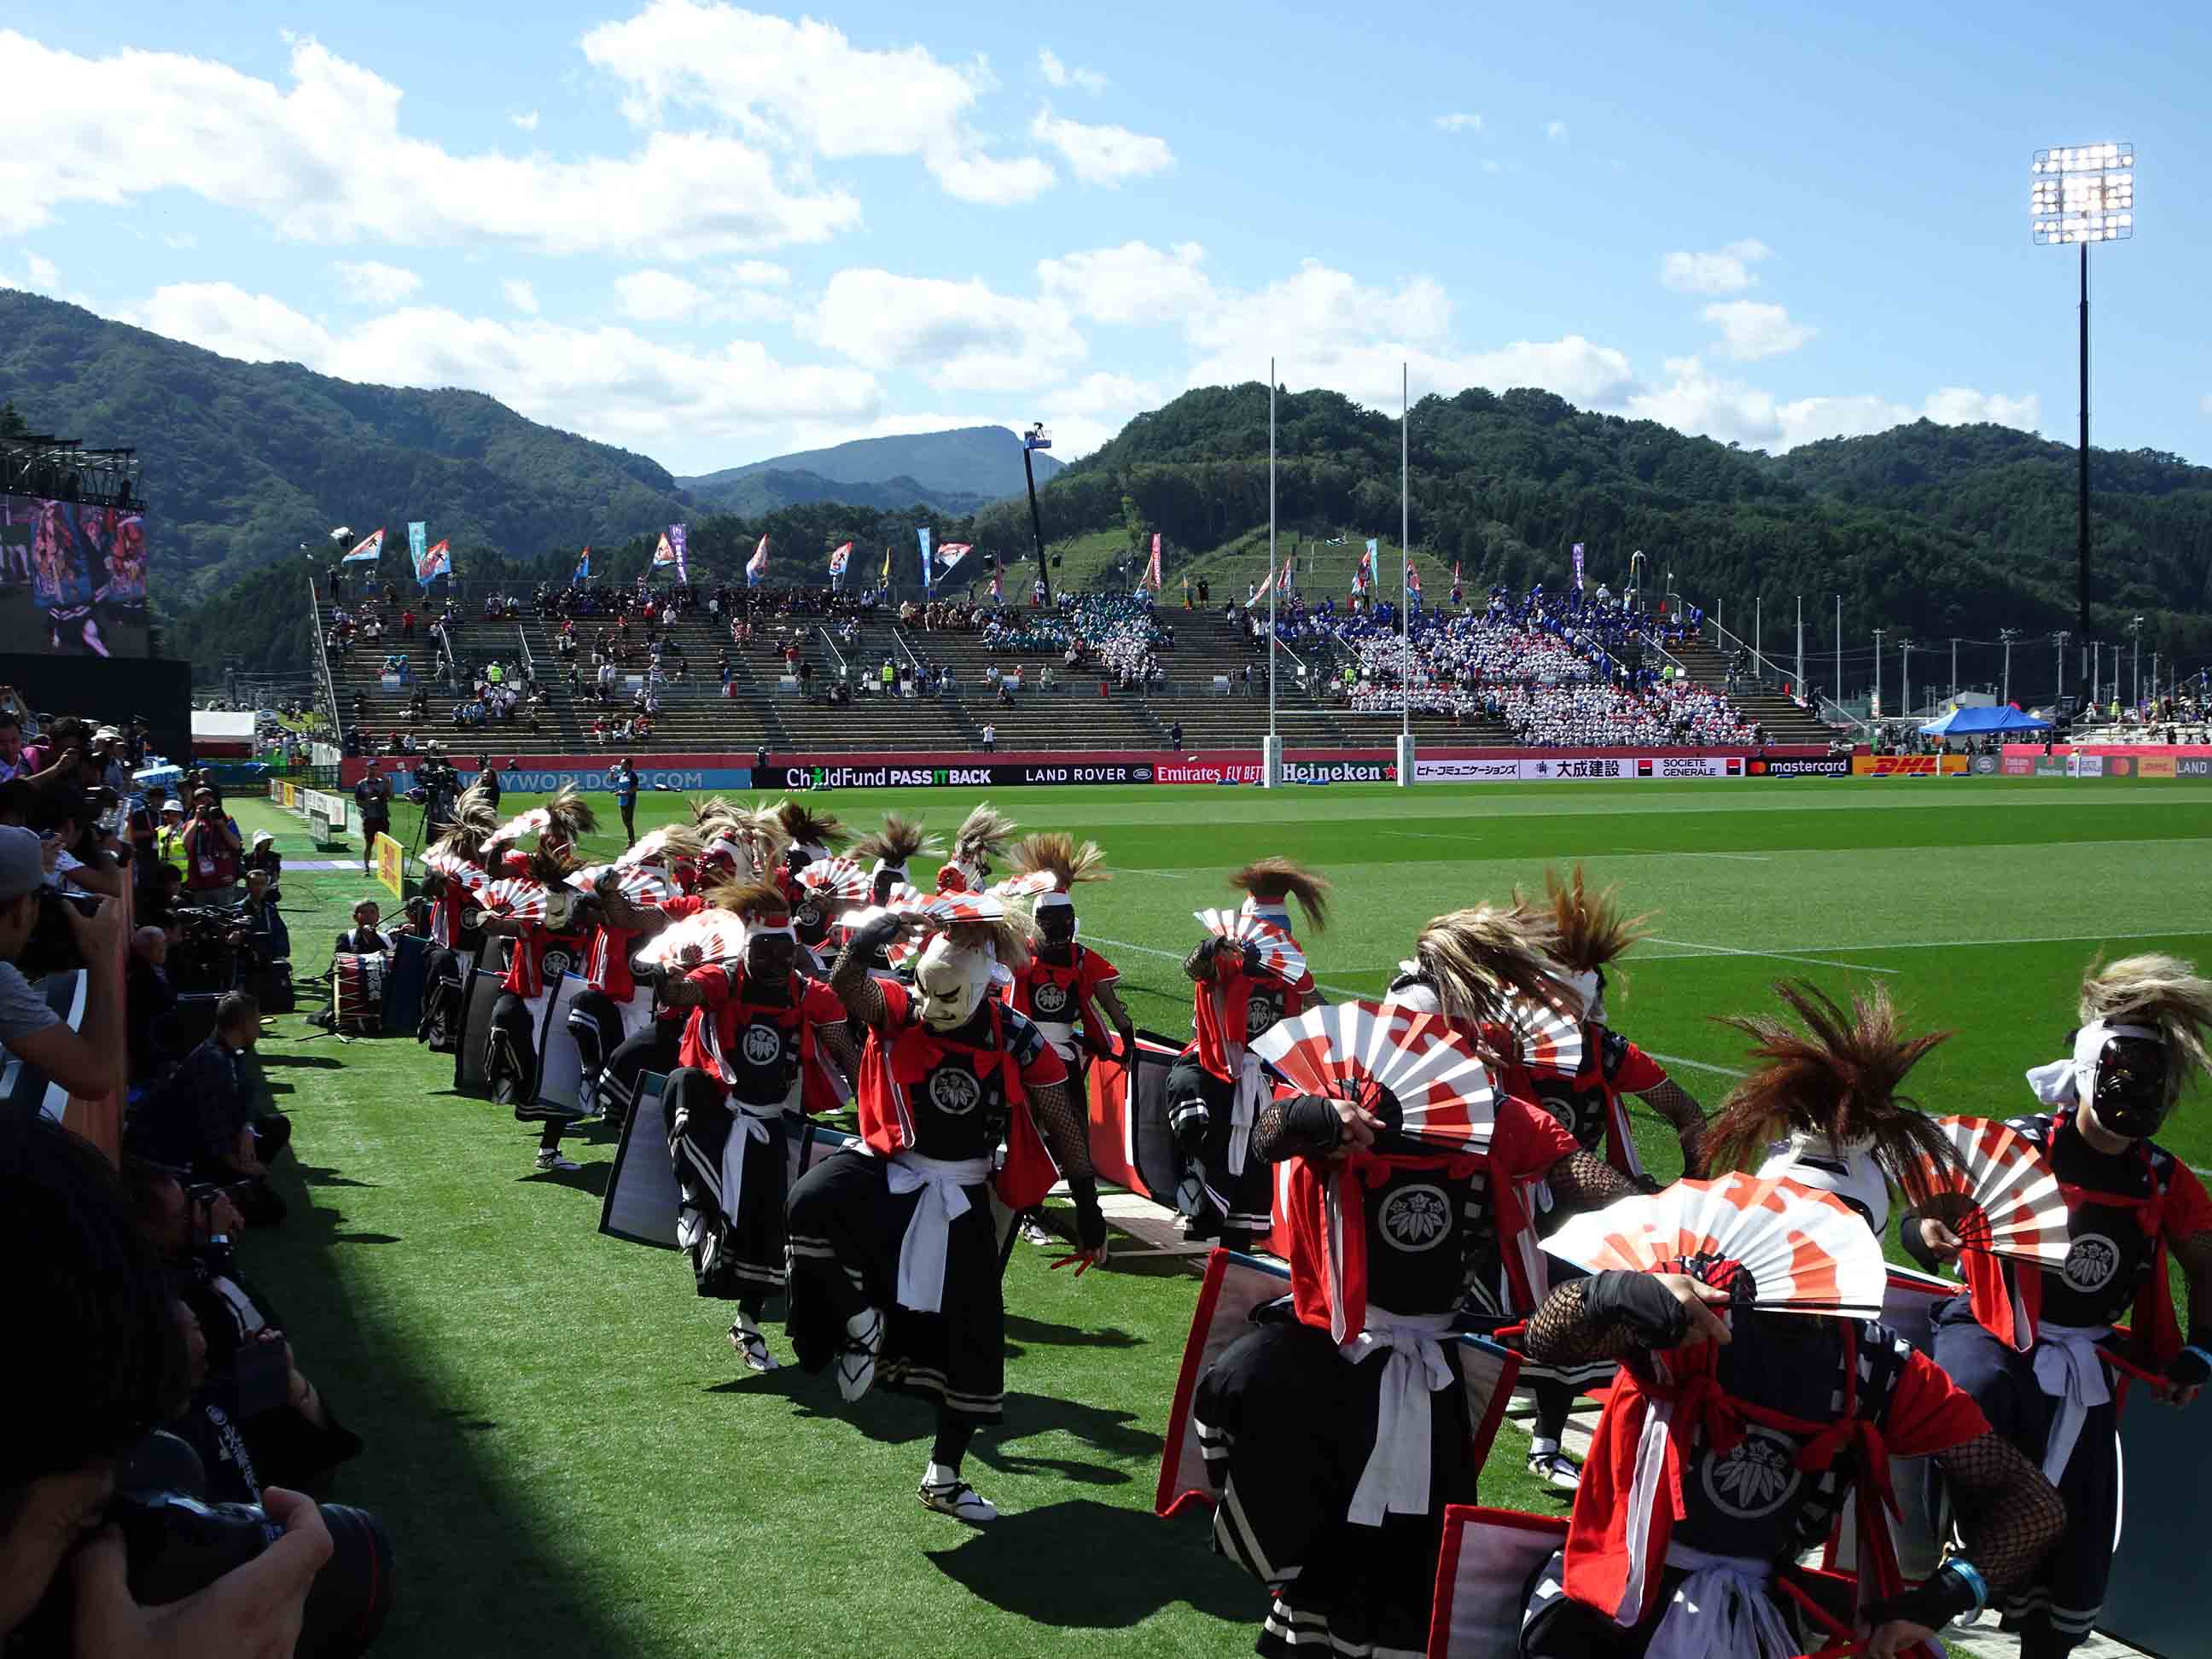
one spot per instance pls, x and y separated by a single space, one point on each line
982 837
814 835
548 925
892 848
654 1041
601 1017
1214 1088
1067 988
895 1261
1334 1432
1589 932
1755 1394
2130 1206
747 1076
454 867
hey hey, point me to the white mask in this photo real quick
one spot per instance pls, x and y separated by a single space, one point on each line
951 983
1590 987
1849 1171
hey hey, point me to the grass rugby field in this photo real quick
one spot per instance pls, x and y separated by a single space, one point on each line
573 1463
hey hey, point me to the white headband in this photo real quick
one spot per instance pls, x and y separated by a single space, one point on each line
1849 1170
1269 910
2070 1082
1053 899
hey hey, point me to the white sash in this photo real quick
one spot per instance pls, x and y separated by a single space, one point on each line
2069 1368
1396 1479
1721 1611
943 1183
1244 1108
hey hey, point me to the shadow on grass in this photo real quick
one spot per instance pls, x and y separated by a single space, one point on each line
592 1178
1021 1329
317 1062
431 1472
1156 1563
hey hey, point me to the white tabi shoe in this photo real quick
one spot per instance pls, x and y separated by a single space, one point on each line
1556 1469
959 1500
856 1359
551 1162
752 1347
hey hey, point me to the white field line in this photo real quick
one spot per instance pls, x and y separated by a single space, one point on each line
1770 956
1656 853
1690 950
1434 834
1172 875
1696 1065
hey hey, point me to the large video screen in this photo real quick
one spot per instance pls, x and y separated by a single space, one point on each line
72 578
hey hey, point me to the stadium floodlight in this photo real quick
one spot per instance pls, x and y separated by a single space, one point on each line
2079 194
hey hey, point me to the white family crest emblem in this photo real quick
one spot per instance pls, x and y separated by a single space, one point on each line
1261 1013
954 1092
1756 1478
556 965
1417 1219
762 1046
1049 999
2091 1263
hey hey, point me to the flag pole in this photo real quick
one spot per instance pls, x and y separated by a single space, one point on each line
1271 762
1405 580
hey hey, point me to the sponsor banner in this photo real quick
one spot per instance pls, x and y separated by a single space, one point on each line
990 776
332 808
1985 766
2158 766
1690 766
1811 766
2120 766
2050 766
2085 766
1465 771
1908 766
2019 766
2193 766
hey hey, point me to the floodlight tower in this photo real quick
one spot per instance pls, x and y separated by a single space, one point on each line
1035 439
2083 193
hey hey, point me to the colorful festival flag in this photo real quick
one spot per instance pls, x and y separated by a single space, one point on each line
369 549
887 570
1152 575
1364 577
679 538
1579 564
436 561
839 560
1289 570
756 566
928 573
1413 580
1263 590
419 538
952 553
665 553
583 570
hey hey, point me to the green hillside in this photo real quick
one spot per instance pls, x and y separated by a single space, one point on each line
753 492
959 469
243 461
1933 530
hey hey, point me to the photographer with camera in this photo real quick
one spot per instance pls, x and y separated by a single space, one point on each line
84 1061
261 935
100 1303
150 1000
206 1118
212 854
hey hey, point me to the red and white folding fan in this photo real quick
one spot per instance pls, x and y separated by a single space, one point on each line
1443 1091
1028 886
710 936
517 899
535 822
452 866
950 909
1278 952
1773 1244
646 849
837 884
639 886
904 898
1546 1042
2015 1207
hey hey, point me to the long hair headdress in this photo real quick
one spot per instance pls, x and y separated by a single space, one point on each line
1271 880
2164 993
1480 958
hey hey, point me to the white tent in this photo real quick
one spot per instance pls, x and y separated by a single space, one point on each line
222 731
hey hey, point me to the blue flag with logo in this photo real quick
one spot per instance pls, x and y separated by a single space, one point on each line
418 539
928 574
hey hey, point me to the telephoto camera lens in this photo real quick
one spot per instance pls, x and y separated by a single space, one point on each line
177 1545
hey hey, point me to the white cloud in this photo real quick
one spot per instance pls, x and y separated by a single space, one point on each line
325 160
686 408
1752 329
527 121
1695 400
367 282
1102 155
521 295
1556 131
39 275
959 336
1058 73
1134 283
804 86
1724 271
1490 167
731 296
1459 121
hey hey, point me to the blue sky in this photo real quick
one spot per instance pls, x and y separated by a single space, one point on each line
714 234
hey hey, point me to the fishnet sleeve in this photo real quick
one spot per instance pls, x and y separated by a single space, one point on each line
1564 1332
2008 1515
1303 1127
862 997
1198 964
1067 1132
1583 1180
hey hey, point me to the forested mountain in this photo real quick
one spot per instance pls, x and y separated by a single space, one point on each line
960 469
243 461
1933 530
757 490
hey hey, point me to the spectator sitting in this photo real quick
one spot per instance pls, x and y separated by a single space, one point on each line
363 938
205 1117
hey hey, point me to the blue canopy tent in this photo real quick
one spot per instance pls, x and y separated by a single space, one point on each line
1981 722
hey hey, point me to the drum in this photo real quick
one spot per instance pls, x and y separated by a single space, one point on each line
357 994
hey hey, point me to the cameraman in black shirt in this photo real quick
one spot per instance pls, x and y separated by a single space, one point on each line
371 799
